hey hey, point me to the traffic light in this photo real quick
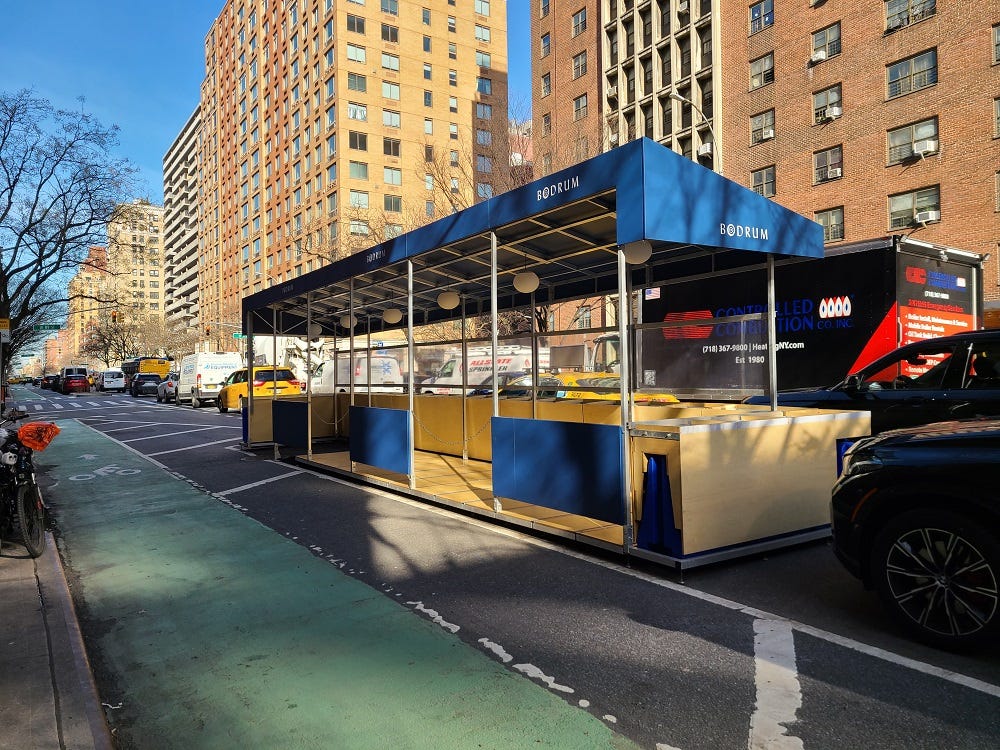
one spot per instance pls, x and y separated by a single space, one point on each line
114 317
208 331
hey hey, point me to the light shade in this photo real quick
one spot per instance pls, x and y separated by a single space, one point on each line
448 300
392 315
348 321
315 331
638 252
526 282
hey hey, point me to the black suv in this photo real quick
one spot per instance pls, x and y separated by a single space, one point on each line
952 377
916 516
144 384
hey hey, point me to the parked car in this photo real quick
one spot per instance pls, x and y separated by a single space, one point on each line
144 384
940 379
49 381
74 384
70 371
916 516
166 389
267 381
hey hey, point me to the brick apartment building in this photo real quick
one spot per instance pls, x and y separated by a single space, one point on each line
872 118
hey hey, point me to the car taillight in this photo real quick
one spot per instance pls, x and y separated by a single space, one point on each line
357 371
197 380
258 383
293 383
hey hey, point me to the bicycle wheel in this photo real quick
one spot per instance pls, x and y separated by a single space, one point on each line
31 516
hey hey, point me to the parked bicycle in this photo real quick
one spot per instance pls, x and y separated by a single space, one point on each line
20 498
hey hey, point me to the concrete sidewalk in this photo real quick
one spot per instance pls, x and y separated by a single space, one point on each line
47 694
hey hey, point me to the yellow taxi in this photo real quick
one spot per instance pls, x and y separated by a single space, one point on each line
267 381
579 384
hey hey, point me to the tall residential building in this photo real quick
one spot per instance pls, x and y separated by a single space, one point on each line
180 226
872 118
84 309
328 125
135 260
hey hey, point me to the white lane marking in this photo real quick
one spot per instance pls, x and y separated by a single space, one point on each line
169 434
434 616
530 670
135 426
192 447
94 403
779 696
250 486
57 406
496 648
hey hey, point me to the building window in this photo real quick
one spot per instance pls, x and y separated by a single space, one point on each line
391 146
996 117
484 164
581 148
427 71
482 7
822 103
428 99
392 175
390 62
390 33
452 77
544 8
996 44
355 24
828 165
762 127
484 111
454 184
761 15
580 107
580 65
832 220
355 53
762 181
425 16
453 131
484 85
583 316
546 124
428 126
427 44
360 228
452 51
429 209
357 111
453 158
579 22
762 71
393 203
428 153
390 90
453 104
391 7
357 82
484 137
913 74
483 59
546 84
484 190
902 140
546 45
900 13
390 119
826 42
358 170
904 207
451 24
357 141
482 33
359 199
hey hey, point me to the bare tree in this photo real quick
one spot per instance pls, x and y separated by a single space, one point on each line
59 185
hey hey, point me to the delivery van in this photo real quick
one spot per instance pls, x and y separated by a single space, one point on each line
111 380
510 359
201 375
382 372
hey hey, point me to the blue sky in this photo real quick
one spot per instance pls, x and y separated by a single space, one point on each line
138 64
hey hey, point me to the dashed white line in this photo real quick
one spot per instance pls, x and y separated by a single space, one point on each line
258 484
779 696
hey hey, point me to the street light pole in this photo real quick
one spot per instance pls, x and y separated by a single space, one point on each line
715 139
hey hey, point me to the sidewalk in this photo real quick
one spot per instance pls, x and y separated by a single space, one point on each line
47 696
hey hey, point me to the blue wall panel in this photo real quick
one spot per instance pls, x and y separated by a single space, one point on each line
381 437
573 467
289 423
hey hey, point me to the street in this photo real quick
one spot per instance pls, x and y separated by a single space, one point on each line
784 650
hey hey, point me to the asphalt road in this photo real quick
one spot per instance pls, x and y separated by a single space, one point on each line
784 650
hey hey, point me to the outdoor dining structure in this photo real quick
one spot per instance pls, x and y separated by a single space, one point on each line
628 430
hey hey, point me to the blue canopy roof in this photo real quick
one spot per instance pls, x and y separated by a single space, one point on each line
566 227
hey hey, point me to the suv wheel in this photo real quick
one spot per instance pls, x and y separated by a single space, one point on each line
937 572
222 409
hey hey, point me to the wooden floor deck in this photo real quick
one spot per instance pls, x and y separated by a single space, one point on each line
468 485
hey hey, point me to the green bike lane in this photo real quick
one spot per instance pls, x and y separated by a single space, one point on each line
209 630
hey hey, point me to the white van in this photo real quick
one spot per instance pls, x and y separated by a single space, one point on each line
201 376
383 374
511 361
111 380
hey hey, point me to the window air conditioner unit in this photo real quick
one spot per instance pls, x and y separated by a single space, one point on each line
682 6
834 111
705 149
613 91
922 217
833 172
818 56
613 138
926 146
767 134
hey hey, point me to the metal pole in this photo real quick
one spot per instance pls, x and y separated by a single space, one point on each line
535 368
494 320
274 380
625 394
772 357
411 359
309 436
350 320
465 378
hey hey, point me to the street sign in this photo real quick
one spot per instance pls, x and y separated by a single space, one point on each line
4 330
47 327
237 335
